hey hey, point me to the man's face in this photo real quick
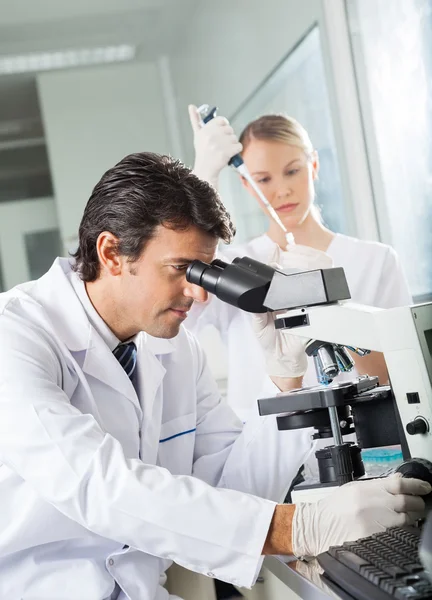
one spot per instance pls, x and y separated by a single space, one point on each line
154 294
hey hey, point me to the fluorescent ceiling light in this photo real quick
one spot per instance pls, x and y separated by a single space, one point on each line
65 59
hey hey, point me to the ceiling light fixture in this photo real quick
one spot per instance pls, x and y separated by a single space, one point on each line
65 59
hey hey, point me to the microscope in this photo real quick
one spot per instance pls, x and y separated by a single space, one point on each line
315 305
396 563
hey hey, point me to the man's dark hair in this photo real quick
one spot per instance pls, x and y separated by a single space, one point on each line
139 193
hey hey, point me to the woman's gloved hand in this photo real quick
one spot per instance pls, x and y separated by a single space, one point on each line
215 143
285 352
355 510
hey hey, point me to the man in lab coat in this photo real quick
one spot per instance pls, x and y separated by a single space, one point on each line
118 456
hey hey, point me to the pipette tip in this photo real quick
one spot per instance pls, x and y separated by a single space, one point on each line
290 238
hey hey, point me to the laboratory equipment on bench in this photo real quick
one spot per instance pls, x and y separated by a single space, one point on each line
317 308
392 564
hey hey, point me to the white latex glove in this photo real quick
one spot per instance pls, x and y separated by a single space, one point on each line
215 143
356 510
285 352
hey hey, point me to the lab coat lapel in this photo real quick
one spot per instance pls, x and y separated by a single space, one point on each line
101 363
150 374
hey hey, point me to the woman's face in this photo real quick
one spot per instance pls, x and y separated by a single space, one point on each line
285 175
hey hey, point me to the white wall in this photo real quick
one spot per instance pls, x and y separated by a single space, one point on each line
231 47
16 219
94 117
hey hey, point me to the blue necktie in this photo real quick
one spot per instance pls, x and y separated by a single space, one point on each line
126 354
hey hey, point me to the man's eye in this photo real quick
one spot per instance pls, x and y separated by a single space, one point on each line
180 267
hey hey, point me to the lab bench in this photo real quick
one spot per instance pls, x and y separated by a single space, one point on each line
284 578
281 578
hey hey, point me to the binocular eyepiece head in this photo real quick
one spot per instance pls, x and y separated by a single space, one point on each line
244 283
255 287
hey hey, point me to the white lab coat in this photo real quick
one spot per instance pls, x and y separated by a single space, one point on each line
95 480
374 275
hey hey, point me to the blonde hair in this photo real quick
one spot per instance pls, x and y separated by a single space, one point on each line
279 128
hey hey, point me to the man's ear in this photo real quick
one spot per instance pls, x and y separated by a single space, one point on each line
109 258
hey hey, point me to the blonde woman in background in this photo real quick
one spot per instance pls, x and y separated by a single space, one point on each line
284 164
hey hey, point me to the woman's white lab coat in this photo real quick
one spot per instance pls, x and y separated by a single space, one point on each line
95 480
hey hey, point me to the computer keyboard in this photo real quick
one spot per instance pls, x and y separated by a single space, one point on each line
383 566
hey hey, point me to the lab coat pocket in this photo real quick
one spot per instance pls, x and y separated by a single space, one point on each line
176 444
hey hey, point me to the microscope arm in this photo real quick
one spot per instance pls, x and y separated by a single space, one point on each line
344 323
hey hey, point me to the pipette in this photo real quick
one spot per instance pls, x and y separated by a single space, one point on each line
207 114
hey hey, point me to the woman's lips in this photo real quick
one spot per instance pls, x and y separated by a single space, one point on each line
286 208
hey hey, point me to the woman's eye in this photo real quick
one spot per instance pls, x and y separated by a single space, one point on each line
263 180
293 171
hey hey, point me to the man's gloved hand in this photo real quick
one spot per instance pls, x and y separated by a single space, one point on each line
284 352
355 510
215 144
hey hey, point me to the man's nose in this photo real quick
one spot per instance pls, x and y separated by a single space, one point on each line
196 292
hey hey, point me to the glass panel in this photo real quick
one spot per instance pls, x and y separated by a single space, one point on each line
42 247
1 277
297 88
392 44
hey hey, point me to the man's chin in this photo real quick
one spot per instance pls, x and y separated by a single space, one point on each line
166 332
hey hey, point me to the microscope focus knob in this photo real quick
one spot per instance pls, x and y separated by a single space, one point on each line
417 468
417 426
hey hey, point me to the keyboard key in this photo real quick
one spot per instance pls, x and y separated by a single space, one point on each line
351 560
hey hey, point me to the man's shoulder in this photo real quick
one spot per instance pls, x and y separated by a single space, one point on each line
33 293
25 331
18 303
30 306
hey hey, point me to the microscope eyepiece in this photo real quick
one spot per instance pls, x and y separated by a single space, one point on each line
205 275
243 283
